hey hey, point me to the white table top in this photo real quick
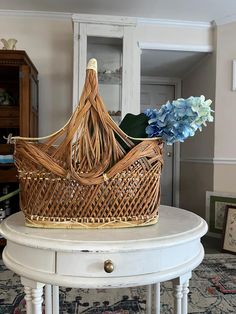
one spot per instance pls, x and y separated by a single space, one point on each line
174 226
75 257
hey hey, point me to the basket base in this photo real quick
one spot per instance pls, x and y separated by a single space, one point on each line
42 222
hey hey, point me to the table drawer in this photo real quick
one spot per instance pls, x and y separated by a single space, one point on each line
91 264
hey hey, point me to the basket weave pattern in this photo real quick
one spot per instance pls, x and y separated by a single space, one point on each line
88 179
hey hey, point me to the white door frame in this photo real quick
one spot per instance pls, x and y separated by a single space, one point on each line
177 83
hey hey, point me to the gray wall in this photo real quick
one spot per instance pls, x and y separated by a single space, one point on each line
197 171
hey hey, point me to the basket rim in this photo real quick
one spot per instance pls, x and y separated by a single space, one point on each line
14 138
36 221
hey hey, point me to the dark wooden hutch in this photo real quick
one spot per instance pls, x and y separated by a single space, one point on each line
18 111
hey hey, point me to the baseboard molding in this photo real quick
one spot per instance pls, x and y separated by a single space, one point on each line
214 235
215 161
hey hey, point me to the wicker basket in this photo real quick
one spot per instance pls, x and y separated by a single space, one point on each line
82 177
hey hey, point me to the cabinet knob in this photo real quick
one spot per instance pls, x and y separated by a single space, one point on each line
108 266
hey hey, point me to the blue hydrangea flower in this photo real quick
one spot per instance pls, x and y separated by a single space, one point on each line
176 121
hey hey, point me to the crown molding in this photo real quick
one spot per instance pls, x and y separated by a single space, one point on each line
105 19
47 14
226 20
92 18
175 23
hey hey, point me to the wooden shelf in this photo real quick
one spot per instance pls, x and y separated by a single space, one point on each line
109 78
6 149
16 58
8 174
19 80
9 116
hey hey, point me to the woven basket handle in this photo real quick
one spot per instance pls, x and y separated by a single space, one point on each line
89 151
96 148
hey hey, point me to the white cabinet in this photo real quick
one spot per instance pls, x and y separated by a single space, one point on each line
112 41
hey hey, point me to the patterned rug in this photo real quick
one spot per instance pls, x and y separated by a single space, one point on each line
212 291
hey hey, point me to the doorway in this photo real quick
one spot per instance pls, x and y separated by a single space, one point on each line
161 74
153 96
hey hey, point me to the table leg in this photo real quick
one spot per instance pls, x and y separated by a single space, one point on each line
37 300
185 297
178 298
48 299
149 300
181 293
55 299
157 298
34 292
28 299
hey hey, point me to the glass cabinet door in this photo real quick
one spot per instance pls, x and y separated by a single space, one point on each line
108 52
112 43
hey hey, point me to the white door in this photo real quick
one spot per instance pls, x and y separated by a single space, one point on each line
153 96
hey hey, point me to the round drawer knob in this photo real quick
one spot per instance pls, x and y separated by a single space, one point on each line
108 266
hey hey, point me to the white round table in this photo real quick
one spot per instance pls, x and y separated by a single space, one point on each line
105 258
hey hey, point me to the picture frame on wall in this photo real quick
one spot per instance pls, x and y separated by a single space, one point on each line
229 234
216 206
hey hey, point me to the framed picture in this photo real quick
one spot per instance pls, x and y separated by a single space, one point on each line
216 204
229 235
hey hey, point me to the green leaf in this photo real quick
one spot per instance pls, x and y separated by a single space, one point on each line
135 125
